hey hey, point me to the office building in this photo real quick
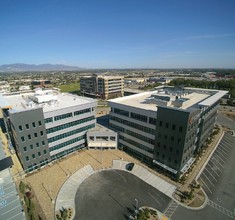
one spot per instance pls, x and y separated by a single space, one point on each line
46 125
103 87
165 127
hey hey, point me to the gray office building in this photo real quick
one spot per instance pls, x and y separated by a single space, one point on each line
165 127
45 125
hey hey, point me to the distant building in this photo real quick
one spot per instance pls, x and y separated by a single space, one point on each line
166 127
104 87
161 80
24 88
41 83
46 125
4 87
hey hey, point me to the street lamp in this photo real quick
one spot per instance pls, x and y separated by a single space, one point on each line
136 207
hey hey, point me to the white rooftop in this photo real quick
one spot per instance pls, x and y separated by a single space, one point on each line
49 100
169 97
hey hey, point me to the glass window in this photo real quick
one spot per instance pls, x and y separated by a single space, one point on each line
43 142
34 124
139 117
64 116
27 126
83 111
180 128
31 146
173 127
25 148
29 137
41 132
35 135
22 139
20 128
39 123
44 151
33 156
48 120
27 158
37 144
39 154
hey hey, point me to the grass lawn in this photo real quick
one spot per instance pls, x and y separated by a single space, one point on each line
70 87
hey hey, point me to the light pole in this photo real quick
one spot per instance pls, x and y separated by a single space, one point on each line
136 207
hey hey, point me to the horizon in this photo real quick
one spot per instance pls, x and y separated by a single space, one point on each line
119 34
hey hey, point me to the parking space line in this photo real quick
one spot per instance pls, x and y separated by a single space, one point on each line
213 158
219 158
211 174
220 149
229 143
213 170
205 185
221 154
224 146
10 210
214 165
208 179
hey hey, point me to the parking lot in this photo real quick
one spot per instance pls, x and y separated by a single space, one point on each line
218 182
114 194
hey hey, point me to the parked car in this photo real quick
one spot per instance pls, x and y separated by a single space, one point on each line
130 166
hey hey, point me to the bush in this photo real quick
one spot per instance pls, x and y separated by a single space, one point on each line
22 187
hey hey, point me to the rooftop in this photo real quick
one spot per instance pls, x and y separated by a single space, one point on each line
49 100
171 97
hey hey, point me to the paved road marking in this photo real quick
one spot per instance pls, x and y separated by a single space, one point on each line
11 210
223 150
221 209
213 158
171 208
218 158
208 179
210 174
224 147
215 165
204 184
221 154
212 168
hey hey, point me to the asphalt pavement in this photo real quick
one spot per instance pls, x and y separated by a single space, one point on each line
114 194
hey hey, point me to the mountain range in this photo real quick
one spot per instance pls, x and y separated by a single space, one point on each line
21 67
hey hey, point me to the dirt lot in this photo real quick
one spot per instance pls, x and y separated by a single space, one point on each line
47 182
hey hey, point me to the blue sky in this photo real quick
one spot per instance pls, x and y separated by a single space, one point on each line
119 33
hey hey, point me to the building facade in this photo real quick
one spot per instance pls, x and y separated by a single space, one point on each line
46 125
166 127
104 87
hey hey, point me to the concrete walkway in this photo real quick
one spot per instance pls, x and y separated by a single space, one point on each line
148 177
67 193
